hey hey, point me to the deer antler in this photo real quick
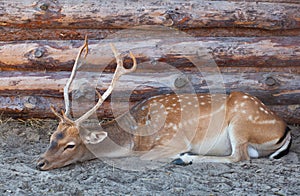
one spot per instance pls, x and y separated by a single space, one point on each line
75 67
120 70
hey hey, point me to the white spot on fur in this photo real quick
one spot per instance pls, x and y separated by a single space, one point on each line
170 125
262 122
253 119
154 104
266 112
148 122
154 111
245 96
266 122
133 127
175 128
180 125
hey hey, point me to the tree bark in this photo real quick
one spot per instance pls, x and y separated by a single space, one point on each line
92 14
228 53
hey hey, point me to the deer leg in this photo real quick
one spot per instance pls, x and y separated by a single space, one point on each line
189 158
239 152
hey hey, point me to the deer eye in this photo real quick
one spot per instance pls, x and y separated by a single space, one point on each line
70 145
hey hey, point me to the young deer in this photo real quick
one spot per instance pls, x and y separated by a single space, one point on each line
221 129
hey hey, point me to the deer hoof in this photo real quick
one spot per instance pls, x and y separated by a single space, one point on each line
179 161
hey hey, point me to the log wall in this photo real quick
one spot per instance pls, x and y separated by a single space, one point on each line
255 44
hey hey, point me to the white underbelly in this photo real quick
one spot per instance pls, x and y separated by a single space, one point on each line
213 146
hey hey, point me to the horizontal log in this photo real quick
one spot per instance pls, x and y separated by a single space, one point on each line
26 107
30 94
181 14
227 52
272 88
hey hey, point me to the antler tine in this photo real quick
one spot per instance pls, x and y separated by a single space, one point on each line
120 61
75 67
56 113
120 70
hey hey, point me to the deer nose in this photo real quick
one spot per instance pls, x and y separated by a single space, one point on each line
41 164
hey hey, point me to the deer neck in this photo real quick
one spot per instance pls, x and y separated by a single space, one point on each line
119 142
116 133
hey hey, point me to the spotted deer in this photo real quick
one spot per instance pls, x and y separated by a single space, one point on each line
184 128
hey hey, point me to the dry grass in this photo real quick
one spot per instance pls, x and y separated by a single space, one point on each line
4 120
32 122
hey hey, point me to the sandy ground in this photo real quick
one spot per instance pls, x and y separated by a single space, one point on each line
22 143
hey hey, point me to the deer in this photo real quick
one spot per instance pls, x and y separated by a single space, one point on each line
185 128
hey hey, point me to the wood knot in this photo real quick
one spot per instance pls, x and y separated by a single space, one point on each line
180 82
270 81
44 7
38 53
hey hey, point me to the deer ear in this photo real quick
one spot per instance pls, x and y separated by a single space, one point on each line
95 137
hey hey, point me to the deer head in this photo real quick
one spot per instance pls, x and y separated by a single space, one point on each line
68 142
